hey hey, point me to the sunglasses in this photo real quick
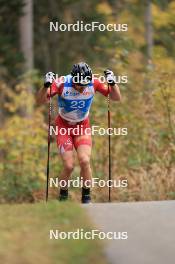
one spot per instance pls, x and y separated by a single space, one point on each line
82 84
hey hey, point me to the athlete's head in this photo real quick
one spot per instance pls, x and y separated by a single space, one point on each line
82 74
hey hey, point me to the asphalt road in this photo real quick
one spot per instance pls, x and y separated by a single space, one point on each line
150 227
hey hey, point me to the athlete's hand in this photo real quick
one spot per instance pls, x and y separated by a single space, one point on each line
110 78
48 79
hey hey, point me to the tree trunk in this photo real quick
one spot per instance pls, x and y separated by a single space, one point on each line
26 33
148 31
26 45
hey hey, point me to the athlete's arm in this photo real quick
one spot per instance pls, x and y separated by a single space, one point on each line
115 94
41 96
49 89
113 90
44 93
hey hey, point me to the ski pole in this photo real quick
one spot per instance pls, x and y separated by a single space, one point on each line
109 144
48 147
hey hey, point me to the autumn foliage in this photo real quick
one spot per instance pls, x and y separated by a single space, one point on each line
146 156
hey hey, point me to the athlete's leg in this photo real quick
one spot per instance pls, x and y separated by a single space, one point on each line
83 147
84 154
65 146
68 165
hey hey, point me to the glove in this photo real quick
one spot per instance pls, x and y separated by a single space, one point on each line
110 78
48 80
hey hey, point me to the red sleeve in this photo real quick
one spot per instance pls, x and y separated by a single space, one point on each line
56 88
101 88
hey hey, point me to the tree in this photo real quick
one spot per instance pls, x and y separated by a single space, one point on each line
148 31
26 45
26 33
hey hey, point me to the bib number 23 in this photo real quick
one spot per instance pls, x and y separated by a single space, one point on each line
77 104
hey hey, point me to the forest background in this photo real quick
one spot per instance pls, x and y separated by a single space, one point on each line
145 53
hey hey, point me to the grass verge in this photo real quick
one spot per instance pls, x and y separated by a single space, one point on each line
25 239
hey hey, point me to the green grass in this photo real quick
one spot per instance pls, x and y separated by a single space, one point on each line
24 235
